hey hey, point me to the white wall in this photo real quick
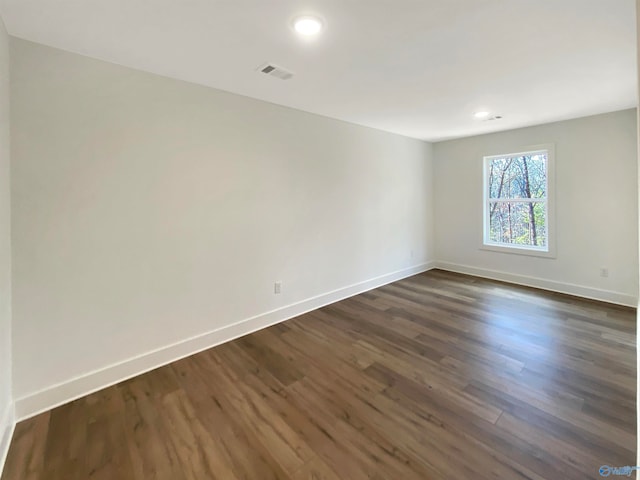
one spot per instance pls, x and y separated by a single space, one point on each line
6 402
147 211
596 207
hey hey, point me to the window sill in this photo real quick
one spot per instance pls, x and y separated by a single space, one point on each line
518 250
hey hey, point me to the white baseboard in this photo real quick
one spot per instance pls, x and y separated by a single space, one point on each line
74 388
7 426
542 283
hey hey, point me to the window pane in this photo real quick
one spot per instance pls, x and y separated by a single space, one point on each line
518 223
524 176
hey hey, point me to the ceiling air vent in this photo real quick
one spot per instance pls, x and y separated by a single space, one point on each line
275 71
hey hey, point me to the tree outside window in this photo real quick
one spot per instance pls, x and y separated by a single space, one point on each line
516 200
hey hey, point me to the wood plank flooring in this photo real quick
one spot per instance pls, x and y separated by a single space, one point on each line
438 376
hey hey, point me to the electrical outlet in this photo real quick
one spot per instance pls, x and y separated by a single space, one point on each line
412 254
277 287
604 272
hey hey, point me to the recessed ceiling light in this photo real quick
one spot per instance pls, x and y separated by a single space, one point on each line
481 114
307 25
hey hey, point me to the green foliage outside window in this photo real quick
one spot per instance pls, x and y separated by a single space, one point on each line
517 199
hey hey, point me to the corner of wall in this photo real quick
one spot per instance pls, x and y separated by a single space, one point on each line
7 405
7 426
430 185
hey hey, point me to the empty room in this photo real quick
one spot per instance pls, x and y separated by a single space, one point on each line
274 239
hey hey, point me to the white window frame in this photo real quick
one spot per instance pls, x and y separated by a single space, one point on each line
550 250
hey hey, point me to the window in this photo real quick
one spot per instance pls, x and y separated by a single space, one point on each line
517 191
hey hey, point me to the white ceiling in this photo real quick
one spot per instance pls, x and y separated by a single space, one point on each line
420 68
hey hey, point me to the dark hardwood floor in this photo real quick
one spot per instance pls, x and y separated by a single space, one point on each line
438 376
